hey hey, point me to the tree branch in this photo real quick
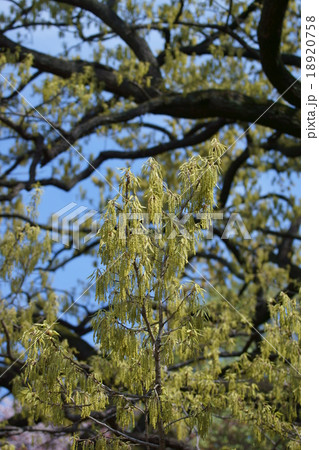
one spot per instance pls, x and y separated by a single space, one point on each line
269 37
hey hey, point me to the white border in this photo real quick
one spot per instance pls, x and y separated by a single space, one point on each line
310 248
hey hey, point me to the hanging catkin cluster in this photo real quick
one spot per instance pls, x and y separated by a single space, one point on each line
144 251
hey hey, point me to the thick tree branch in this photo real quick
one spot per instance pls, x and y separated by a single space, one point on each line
124 30
269 37
230 105
65 68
